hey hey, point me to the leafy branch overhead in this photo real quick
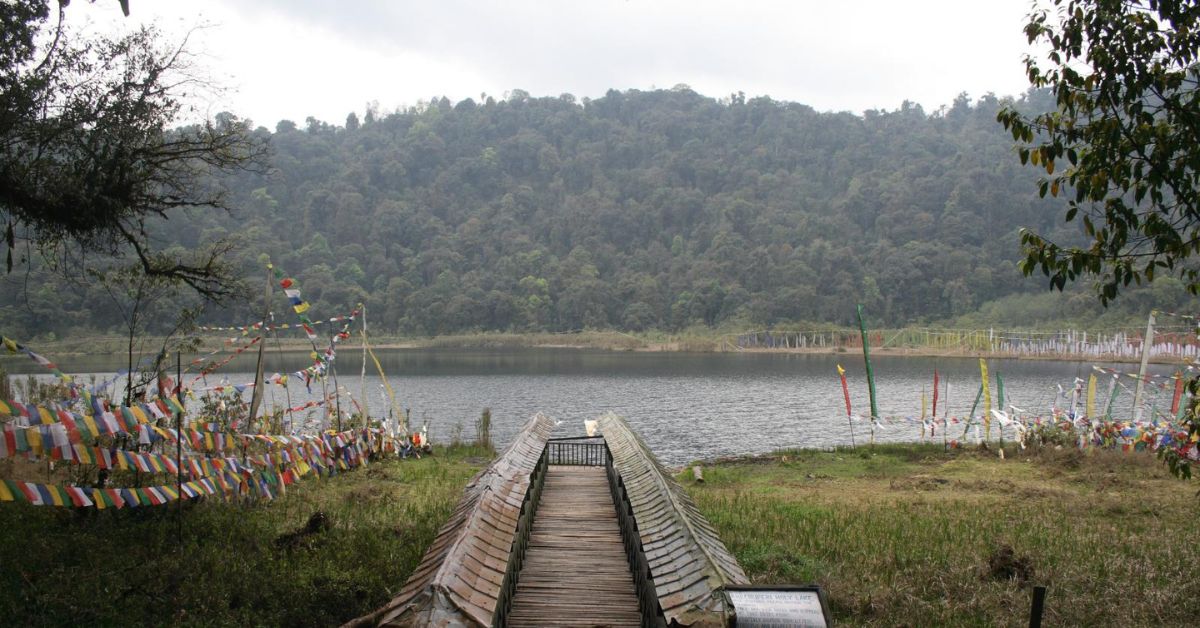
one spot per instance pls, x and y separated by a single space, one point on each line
90 149
1123 144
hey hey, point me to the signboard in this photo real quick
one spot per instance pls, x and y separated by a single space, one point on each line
778 607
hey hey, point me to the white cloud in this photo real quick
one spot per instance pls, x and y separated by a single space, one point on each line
293 59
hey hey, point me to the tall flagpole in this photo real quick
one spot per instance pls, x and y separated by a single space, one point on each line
256 396
179 448
862 326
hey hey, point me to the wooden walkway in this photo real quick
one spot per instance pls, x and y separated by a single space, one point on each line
575 572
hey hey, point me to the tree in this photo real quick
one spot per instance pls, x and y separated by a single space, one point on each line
91 158
1125 78
1124 75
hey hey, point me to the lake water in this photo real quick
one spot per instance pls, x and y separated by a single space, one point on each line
686 406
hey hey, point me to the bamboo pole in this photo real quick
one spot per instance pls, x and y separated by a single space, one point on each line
179 450
286 387
256 395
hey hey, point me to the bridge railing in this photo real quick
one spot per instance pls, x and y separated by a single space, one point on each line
593 451
516 557
580 451
652 615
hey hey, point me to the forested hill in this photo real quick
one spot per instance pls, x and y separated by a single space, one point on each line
638 210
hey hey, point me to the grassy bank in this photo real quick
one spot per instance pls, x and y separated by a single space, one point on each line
909 535
702 340
239 565
903 535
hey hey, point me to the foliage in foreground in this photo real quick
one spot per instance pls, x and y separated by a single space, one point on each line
1126 86
910 535
1124 78
89 156
239 565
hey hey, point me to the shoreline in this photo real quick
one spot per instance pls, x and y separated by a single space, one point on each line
612 341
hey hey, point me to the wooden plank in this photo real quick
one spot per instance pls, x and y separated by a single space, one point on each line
688 562
459 579
575 572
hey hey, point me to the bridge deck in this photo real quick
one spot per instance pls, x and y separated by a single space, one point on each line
575 572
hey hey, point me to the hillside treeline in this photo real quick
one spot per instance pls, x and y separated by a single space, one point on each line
639 210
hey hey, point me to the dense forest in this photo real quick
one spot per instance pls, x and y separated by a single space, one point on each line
639 210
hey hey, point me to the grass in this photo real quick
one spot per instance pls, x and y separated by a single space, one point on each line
901 535
909 535
238 565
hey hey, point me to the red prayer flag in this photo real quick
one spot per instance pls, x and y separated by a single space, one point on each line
935 392
845 388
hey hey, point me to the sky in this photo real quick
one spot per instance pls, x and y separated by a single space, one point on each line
291 59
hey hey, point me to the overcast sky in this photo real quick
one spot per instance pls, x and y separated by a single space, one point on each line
298 58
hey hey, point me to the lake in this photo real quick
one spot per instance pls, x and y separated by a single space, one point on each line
687 406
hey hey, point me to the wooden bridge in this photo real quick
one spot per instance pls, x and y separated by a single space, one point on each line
570 532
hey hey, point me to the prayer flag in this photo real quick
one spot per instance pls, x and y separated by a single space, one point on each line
49 497
935 392
1091 397
115 496
32 494
1178 393
987 399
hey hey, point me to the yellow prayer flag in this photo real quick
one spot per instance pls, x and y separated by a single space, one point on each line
98 499
5 494
90 423
987 400
1091 397
302 308
55 495
47 418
